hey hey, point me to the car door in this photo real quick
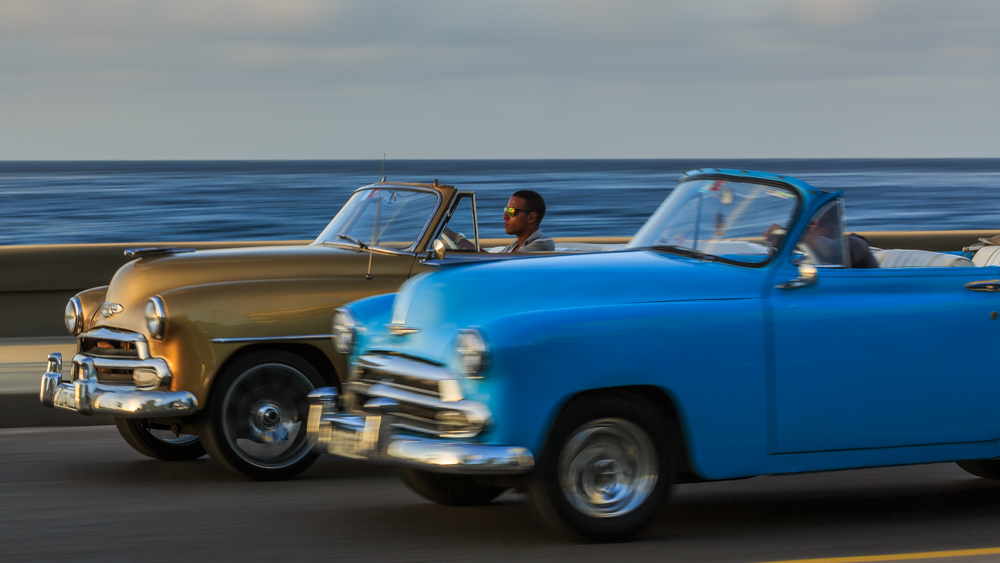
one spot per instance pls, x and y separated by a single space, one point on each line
878 358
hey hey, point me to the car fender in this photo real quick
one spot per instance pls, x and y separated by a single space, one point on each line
689 349
371 315
208 324
91 301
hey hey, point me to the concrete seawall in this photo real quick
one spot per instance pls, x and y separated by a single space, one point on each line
37 281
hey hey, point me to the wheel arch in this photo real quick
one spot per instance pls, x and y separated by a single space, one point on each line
663 402
311 354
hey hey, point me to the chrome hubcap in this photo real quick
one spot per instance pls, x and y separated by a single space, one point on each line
267 424
608 468
264 414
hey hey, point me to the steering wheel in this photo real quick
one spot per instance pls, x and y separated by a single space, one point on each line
449 242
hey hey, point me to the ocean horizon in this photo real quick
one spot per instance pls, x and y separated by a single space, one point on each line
62 202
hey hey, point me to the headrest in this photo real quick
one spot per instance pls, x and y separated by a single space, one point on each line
987 256
919 259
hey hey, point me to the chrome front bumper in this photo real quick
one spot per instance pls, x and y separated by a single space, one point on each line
86 395
369 434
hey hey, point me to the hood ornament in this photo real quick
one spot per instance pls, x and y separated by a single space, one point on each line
399 329
108 309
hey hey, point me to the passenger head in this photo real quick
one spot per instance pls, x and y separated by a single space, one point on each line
524 212
826 225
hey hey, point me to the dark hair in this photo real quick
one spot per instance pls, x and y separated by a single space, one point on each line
533 201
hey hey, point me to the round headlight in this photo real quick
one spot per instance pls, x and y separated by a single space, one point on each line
344 331
471 350
156 317
74 316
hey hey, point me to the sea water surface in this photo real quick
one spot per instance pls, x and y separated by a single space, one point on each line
126 201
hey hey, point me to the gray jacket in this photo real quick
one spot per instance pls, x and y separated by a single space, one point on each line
535 243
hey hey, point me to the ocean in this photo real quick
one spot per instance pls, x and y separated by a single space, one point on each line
165 201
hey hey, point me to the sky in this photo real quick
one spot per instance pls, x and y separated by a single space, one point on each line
344 79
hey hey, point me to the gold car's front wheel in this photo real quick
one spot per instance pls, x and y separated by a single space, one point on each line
255 421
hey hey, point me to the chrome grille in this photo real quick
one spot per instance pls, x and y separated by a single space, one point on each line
114 345
103 348
429 388
429 396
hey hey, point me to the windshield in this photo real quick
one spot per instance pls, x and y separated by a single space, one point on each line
386 216
720 217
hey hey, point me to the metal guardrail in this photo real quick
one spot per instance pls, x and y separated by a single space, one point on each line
37 280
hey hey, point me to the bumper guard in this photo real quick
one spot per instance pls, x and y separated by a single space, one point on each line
86 396
369 434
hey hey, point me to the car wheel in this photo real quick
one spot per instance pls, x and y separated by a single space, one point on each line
606 470
985 468
255 421
157 441
450 490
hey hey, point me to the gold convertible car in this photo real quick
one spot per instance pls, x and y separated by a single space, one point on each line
216 351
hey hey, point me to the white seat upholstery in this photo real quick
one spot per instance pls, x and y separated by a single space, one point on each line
722 247
987 256
919 259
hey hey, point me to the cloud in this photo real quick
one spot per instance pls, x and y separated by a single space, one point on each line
831 12
222 16
574 64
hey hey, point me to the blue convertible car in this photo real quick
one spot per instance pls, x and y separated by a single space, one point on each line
731 338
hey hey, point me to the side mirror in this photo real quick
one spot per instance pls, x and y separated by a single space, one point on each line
438 249
808 276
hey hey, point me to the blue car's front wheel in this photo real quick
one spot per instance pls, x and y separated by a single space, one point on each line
607 469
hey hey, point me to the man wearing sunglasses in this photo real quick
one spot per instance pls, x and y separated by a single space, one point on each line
521 218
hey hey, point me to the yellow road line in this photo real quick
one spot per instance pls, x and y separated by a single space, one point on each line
900 556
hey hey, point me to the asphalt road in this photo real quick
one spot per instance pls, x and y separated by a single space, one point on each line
82 494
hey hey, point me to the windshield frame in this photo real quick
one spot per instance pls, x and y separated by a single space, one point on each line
796 217
410 250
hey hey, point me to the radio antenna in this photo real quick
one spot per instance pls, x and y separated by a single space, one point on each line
378 200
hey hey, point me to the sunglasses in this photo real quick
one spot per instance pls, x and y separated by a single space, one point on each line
511 211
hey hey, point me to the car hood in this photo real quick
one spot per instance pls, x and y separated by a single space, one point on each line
137 281
440 303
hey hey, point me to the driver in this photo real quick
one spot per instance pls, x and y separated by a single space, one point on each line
522 218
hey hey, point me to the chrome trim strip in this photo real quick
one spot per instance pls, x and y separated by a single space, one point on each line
270 338
403 366
108 334
141 346
357 387
361 388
